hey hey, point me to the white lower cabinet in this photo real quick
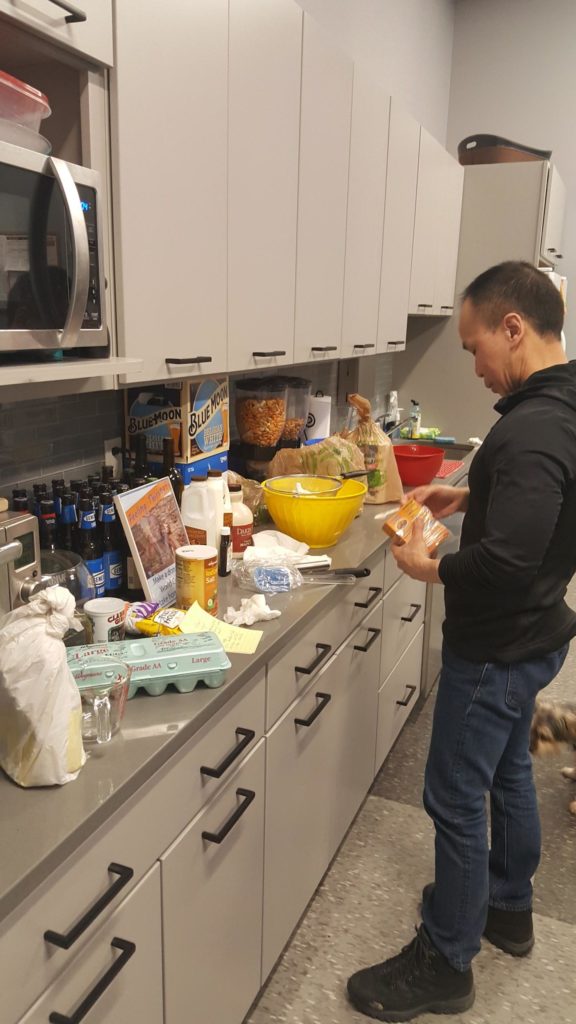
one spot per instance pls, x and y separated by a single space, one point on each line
397 697
319 767
212 905
117 977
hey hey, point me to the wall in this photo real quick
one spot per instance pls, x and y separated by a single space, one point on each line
406 45
514 74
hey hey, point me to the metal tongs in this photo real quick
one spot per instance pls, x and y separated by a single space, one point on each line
330 577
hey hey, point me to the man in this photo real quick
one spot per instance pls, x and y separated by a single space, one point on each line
506 635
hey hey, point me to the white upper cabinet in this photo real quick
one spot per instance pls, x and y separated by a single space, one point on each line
436 229
401 178
323 186
365 220
554 219
264 115
84 26
169 124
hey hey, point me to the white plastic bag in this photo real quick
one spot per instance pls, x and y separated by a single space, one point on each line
40 708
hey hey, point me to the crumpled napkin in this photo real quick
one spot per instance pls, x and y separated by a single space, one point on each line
252 609
273 546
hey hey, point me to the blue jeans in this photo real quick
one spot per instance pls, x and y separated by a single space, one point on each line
479 745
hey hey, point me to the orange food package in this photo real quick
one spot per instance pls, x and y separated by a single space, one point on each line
399 525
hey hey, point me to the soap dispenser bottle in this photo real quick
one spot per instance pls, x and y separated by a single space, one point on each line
415 419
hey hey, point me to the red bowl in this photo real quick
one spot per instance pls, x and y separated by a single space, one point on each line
417 463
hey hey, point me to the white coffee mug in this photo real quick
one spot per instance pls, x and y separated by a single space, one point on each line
108 618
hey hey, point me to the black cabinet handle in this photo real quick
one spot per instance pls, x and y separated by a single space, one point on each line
375 592
324 651
366 647
446 307
323 700
217 837
364 346
75 14
551 249
410 618
399 342
127 950
217 773
268 355
559 256
425 305
67 940
193 359
405 703
324 348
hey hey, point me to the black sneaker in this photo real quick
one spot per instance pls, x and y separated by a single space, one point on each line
419 980
511 931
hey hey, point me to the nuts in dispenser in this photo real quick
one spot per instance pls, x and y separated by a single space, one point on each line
260 411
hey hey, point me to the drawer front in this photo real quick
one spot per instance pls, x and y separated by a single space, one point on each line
397 698
403 615
92 36
212 905
133 838
290 673
134 993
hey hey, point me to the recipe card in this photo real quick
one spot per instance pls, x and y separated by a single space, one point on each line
235 639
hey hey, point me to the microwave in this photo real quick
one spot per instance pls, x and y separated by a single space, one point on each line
52 280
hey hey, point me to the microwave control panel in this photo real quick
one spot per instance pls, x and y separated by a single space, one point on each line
93 314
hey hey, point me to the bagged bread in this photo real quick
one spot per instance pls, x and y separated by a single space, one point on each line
331 457
384 482
286 462
40 708
400 524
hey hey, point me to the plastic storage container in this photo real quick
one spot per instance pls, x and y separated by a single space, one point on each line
297 407
260 411
22 103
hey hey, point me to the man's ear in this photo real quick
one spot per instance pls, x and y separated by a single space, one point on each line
515 328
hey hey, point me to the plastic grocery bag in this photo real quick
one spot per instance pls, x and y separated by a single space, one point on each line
331 457
384 482
40 709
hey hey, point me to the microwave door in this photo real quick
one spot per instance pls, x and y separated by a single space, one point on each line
80 252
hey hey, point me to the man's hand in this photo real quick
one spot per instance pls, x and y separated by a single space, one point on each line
441 499
414 558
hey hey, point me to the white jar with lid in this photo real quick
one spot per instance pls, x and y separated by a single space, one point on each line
242 522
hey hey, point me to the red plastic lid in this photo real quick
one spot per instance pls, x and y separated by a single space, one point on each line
27 90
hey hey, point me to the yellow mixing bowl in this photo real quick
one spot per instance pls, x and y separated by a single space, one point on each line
318 520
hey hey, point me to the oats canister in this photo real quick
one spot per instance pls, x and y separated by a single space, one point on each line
197 577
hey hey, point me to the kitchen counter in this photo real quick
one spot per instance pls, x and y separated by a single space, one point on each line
40 828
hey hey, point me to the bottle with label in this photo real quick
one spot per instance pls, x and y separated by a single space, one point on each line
19 499
141 460
169 469
199 513
227 514
89 547
40 491
67 523
216 491
225 552
242 522
415 419
111 554
47 526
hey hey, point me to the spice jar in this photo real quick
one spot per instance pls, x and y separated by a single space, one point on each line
260 411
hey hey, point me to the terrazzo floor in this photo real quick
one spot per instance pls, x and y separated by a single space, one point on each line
367 905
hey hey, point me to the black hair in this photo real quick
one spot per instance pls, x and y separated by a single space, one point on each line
517 287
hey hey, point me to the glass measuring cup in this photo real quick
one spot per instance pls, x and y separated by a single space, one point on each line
103 684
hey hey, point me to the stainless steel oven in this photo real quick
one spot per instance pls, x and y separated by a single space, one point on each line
52 287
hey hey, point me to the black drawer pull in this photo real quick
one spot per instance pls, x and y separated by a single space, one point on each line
323 700
366 647
364 346
410 618
74 13
405 703
217 773
67 940
127 950
217 837
446 307
192 359
324 651
324 348
269 355
375 592
425 305
400 342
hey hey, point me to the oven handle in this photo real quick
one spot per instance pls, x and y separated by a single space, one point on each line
81 277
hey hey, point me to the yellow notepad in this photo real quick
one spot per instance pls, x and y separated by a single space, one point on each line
235 639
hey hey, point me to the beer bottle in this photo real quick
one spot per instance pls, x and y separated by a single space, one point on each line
67 523
57 493
170 470
89 547
19 499
47 526
111 555
40 492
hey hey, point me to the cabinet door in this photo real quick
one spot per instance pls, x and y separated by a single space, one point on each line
318 770
169 117
365 219
449 210
403 615
397 698
425 225
399 211
264 121
127 954
91 36
554 218
212 905
323 186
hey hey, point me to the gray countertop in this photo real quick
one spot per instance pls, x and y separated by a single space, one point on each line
40 828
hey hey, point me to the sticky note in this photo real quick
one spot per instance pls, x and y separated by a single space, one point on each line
235 639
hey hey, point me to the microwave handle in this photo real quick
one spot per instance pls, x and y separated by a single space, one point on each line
81 278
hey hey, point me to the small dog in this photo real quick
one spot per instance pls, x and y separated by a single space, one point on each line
553 727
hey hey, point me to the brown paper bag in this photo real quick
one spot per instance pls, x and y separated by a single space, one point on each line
384 482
